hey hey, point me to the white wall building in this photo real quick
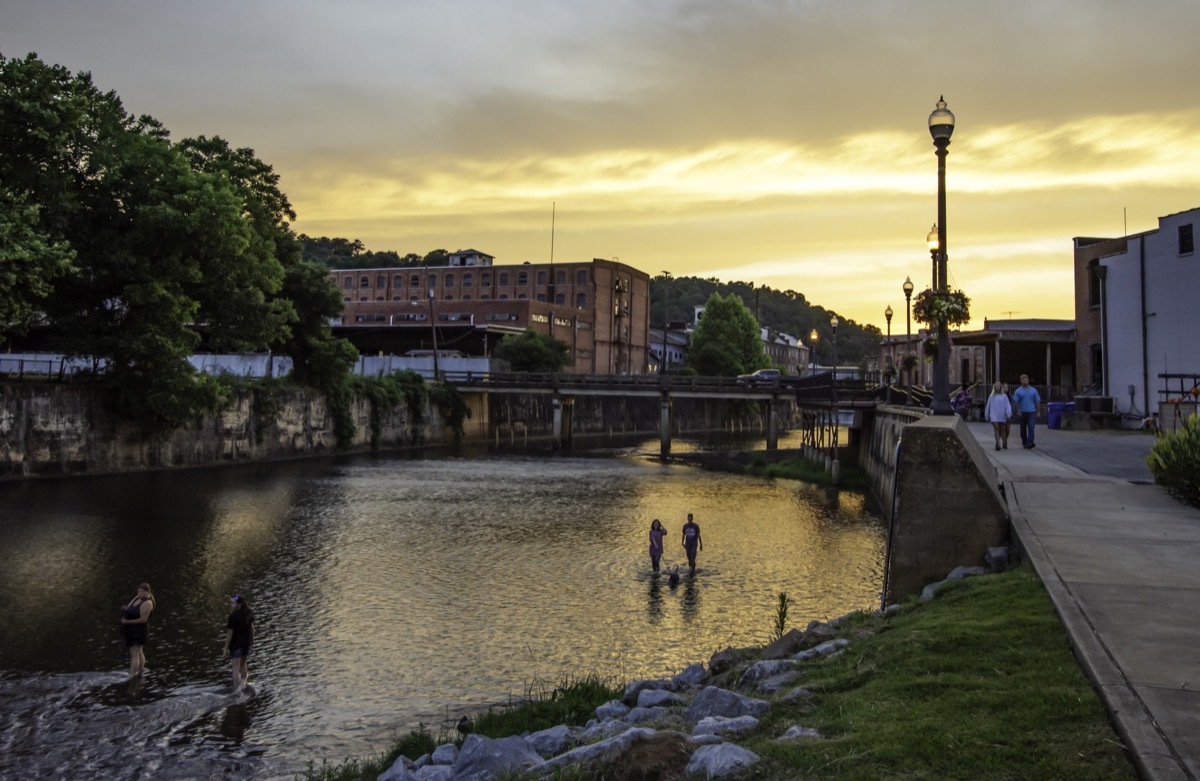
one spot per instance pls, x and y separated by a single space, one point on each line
1137 312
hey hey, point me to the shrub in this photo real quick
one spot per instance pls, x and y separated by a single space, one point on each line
1175 462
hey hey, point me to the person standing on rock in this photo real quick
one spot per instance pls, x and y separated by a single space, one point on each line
1027 399
135 625
657 532
692 541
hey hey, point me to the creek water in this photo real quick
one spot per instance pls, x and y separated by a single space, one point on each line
388 592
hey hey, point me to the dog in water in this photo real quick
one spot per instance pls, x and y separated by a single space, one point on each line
673 577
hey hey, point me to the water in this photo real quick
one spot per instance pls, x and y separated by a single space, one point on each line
388 592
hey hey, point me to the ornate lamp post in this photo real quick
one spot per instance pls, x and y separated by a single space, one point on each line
833 322
887 313
433 326
941 126
908 289
834 467
812 352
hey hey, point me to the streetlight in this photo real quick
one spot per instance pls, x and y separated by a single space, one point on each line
941 126
833 416
908 289
833 322
887 313
812 352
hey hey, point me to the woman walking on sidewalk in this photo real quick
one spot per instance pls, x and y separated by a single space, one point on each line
997 412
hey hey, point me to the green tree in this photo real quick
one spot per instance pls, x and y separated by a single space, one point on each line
726 340
29 263
530 351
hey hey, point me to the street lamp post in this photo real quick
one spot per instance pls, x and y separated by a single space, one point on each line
891 367
941 126
834 467
908 289
833 322
812 352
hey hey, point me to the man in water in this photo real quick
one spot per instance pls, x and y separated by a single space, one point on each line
692 541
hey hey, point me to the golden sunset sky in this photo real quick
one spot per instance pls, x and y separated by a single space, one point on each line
780 143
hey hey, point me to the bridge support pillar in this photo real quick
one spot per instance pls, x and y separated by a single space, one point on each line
664 427
561 426
772 425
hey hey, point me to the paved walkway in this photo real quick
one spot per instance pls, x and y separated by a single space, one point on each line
1121 562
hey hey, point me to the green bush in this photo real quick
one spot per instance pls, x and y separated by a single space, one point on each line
1175 462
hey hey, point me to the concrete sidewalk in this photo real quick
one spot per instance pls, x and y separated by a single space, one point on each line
1121 562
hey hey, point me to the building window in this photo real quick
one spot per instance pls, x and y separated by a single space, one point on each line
414 280
581 300
485 280
432 281
348 283
466 280
560 278
448 297
541 296
467 297
560 298
1186 242
521 296
522 278
363 299
381 280
503 297
541 277
364 281
347 299
503 279
581 277
397 281
379 298
449 280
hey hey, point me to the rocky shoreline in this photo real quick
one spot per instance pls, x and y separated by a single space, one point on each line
688 724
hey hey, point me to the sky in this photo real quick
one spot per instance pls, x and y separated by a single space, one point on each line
779 142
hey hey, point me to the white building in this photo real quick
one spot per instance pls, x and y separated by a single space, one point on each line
1137 316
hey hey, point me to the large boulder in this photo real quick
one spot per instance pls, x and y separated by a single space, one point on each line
726 659
791 643
634 689
720 760
605 750
721 725
760 671
693 675
651 698
482 759
613 709
444 754
712 701
550 742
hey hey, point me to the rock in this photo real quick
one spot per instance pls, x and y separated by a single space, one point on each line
634 689
799 693
694 675
399 771
785 646
550 742
421 762
892 610
482 759
720 725
602 729
824 649
777 682
997 559
760 671
638 715
705 740
654 697
603 751
958 573
613 709
435 773
818 632
796 733
723 660
712 701
720 761
444 754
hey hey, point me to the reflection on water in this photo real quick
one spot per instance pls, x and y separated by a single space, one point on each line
387 592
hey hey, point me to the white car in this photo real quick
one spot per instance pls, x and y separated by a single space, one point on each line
766 377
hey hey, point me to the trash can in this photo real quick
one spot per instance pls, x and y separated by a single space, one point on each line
1054 414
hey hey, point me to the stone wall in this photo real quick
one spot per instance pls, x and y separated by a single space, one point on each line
56 430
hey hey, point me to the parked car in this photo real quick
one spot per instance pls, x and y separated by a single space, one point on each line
767 377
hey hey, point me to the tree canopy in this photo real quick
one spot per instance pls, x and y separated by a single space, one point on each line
530 351
135 248
726 341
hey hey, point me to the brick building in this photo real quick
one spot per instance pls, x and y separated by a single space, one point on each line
600 308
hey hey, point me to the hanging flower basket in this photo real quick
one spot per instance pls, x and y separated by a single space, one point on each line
952 306
909 362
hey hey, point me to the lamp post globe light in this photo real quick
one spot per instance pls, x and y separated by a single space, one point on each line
941 126
812 352
891 367
908 289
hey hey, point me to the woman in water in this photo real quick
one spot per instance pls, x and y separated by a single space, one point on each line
657 532
239 636
135 620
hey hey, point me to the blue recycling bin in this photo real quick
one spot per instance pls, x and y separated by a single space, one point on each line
1054 414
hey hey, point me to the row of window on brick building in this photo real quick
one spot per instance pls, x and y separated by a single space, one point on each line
380 289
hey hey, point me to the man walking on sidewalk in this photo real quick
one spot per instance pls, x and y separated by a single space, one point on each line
1027 399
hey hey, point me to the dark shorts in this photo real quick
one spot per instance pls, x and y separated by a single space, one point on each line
238 653
135 634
